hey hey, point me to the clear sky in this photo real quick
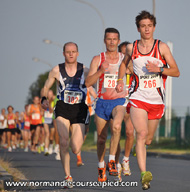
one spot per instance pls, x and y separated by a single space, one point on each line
25 24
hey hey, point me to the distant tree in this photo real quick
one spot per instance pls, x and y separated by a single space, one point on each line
36 87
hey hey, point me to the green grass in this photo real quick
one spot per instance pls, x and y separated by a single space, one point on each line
165 145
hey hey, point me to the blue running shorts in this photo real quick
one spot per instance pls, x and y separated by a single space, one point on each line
104 108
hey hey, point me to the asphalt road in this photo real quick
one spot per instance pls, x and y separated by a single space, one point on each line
169 175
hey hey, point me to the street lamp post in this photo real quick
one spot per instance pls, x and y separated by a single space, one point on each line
168 113
35 59
47 41
99 14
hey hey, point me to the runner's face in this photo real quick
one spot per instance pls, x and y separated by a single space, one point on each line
111 41
123 49
71 53
36 100
3 111
146 29
10 110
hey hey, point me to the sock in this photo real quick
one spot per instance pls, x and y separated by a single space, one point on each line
101 164
142 173
79 157
111 157
118 165
125 158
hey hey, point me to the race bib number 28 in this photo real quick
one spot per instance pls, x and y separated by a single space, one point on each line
110 80
149 81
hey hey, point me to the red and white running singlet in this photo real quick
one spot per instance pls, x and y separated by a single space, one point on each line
107 82
147 86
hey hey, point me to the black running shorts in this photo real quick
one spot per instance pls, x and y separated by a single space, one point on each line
76 113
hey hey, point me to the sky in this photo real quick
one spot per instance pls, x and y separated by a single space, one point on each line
25 24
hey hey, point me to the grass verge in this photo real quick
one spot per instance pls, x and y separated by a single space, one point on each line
164 145
17 175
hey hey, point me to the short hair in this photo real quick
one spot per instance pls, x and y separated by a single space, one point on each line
145 15
10 106
111 30
64 46
125 43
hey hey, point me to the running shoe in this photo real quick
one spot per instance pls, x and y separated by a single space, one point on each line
79 161
111 167
39 149
50 149
56 149
119 170
145 180
9 149
68 182
26 149
58 157
46 152
126 168
102 174
42 148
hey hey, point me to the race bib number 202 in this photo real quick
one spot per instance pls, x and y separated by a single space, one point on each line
72 97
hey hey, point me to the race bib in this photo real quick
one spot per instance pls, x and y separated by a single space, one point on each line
147 82
72 97
35 116
47 114
11 121
110 80
27 123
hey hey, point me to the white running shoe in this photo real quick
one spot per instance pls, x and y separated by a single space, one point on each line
125 168
58 157
26 149
9 149
50 149
119 170
56 149
68 182
46 152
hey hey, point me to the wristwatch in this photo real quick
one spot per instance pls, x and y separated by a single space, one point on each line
161 69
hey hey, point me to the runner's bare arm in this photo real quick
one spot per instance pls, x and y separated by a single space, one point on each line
122 69
166 53
92 92
53 75
94 72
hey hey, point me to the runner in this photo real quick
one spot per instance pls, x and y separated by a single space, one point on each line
89 102
35 113
124 167
27 134
48 125
11 128
150 59
110 104
18 127
71 111
3 126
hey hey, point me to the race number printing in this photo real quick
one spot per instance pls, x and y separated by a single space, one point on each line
72 97
147 82
110 80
